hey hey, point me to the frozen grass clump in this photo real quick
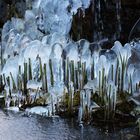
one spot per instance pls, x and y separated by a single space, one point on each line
43 66
45 76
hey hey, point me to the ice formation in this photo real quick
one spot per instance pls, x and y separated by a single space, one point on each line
39 56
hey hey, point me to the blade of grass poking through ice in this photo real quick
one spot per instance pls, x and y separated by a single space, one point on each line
41 74
92 71
131 85
114 101
99 83
45 78
1 83
79 74
25 78
112 72
41 71
105 84
136 86
105 100
86 78
106 103
116 73
121 72
8 83
67 73
19 80
1 57
125 68
122 77
84 74
64 70
120 57
30 69
70 100
37 91
118 80
109 102
13 82
103 71
76 78
72 71
51 72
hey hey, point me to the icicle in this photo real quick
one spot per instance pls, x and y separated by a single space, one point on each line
8 101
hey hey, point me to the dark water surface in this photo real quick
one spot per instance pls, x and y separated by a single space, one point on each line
17 126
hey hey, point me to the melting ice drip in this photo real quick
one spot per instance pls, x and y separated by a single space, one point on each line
39 56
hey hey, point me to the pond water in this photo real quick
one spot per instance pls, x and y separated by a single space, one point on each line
18 126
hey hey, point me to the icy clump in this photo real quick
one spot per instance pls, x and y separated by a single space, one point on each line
34 85
7 102
12 44
86 3
32 50
122 52
92 85
85 98
135 57
39 110
58 18
112 94
136 77
11 66
38 21
56 57
55 38
85 56
71 51
21 36
14 109
110 55
102 65
30 25
57 90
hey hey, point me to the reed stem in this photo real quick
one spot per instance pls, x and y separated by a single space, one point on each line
51 72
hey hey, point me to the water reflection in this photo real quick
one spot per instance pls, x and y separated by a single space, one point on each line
17 126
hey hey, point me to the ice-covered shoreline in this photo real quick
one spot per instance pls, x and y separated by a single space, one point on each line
40 58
